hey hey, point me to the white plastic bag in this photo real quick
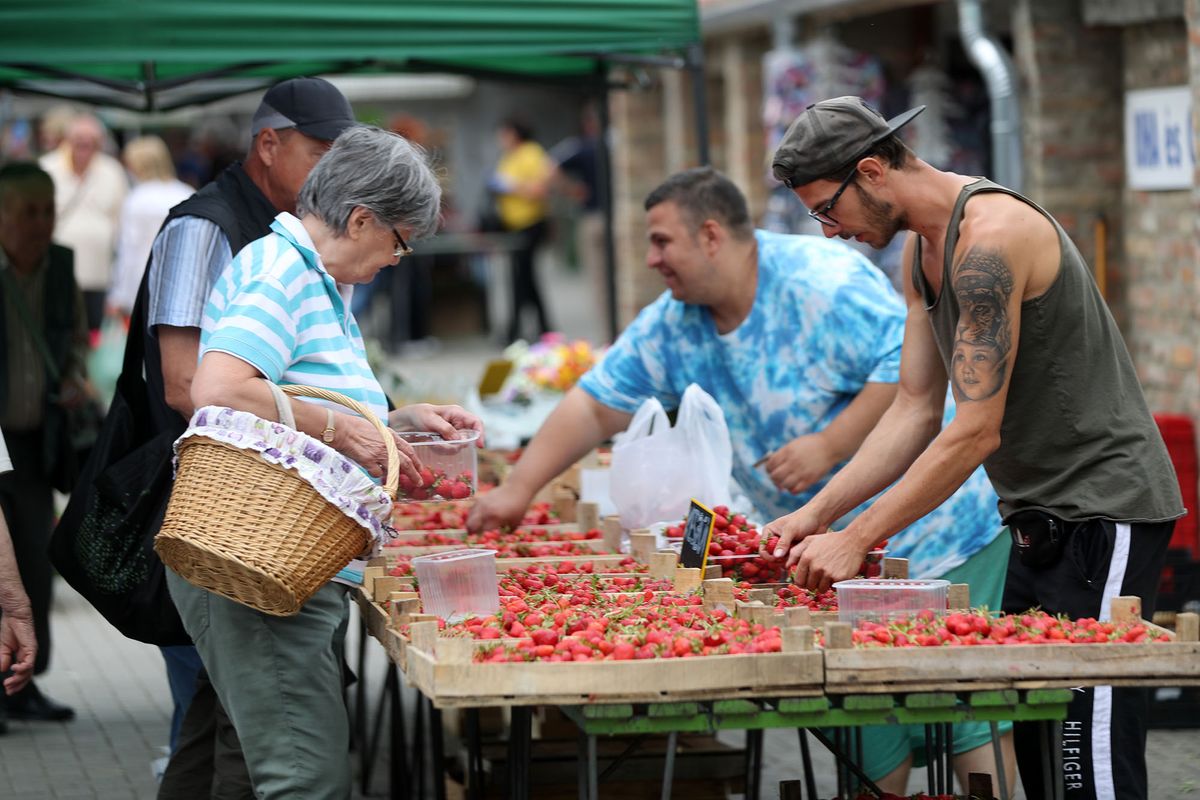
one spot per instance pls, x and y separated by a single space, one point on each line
657 469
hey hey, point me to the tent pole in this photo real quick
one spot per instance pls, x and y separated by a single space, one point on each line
695 65
604 188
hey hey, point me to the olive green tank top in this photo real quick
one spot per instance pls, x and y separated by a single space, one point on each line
1077 439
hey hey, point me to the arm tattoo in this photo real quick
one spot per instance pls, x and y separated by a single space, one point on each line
983 284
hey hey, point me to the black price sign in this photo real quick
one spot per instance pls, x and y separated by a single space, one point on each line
697 530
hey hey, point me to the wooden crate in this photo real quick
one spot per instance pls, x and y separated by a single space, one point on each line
416 534
443 670
592 545
947 669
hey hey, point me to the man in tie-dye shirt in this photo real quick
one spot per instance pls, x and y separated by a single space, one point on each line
798 340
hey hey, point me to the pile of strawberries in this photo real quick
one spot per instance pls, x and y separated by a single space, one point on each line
792 596
436 485
502 537
429 516
522 583
734 547
590 626
402 568
966 628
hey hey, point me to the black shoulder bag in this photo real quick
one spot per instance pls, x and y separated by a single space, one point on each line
103 545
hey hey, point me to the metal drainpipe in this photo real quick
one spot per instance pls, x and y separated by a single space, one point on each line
1000 76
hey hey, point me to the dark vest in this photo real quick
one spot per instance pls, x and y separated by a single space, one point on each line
58 318
243 213
1077 439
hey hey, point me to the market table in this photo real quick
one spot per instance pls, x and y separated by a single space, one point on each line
826 691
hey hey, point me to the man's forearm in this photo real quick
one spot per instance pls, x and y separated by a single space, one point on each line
901 435
935 475
846 433
13 599
577 425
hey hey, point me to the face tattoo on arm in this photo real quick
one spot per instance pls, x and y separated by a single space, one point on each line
983 284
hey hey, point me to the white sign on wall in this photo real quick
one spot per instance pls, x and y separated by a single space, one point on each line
1159 149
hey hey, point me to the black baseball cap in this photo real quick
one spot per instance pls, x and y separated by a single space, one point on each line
829 136
312 106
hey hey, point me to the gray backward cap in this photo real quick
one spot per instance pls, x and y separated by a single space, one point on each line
830 135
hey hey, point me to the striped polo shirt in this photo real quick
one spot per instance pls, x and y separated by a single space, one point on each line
276 308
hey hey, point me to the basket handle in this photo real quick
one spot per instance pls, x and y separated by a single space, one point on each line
392 482
283 406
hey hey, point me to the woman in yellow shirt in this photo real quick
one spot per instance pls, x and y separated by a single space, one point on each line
520 184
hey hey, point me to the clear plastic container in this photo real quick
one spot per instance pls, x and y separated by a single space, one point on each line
448 467
458 583
883 599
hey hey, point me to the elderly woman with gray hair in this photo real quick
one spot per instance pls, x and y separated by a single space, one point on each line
281 312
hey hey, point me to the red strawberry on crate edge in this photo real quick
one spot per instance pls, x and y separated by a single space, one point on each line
979 628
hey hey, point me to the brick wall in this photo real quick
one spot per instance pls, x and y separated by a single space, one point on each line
1160 242
656 135
1071 107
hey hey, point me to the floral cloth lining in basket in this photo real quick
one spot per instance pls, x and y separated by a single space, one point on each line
342 482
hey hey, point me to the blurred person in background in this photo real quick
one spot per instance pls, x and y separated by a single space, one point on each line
89 188
43 334
578 162
52 130
155 192
519 185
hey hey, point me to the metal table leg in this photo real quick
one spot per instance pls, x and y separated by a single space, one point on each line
949 741
398 775
474 755
593 769
520 733
998 753
437 754
810 780
754 746
418 750
669 767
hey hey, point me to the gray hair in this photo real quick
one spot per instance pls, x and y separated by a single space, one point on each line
381 171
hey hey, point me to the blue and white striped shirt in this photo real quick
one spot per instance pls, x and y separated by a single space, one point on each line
276 308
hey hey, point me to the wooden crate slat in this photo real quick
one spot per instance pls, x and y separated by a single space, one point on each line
1001 666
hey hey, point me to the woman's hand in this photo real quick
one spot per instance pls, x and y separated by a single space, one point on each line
445 421
359 440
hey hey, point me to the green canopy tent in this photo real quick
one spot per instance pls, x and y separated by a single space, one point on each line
156 55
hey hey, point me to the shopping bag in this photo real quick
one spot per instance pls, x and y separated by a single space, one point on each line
104 362
657 469
103 543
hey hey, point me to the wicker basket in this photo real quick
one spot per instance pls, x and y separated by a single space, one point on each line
255 532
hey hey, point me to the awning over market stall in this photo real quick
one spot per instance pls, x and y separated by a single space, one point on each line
159 54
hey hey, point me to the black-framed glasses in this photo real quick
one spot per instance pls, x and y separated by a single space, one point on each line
822 215
402 248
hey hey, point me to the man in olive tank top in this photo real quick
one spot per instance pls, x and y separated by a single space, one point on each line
1002 306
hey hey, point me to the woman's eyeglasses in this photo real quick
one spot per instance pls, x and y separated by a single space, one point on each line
402 248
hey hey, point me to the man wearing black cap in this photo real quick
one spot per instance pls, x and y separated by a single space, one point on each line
295 124
1002 306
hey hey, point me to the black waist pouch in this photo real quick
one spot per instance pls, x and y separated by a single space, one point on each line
1038 537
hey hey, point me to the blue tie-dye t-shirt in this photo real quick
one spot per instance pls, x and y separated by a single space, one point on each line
825 322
